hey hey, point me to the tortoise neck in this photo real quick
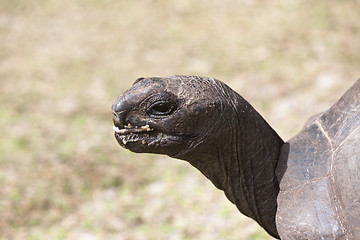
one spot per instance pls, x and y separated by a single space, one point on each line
240 158
254 153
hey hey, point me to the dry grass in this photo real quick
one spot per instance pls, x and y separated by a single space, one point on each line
62 63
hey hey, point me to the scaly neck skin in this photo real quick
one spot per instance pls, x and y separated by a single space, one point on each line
239 155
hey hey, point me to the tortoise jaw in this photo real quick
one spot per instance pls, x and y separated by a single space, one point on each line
147 140
131 133
130 129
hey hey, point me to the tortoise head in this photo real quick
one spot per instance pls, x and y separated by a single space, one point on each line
165 115
205 122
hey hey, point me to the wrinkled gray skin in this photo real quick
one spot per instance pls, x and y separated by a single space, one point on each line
307 188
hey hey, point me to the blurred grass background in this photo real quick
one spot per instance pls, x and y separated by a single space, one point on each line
63 63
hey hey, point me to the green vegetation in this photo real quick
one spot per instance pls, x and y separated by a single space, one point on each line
63 63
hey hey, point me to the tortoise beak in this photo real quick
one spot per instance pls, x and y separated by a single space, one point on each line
121 105
119 109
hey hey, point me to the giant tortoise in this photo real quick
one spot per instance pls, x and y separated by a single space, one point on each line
305 188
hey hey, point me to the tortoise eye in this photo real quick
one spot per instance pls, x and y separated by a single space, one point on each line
161 108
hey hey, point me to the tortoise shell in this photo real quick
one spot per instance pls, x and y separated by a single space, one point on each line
319 174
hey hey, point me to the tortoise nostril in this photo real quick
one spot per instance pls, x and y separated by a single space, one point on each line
120 118
120 109
116 117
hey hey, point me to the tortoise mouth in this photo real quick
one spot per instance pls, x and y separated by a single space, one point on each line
143 139
131 134
131 129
